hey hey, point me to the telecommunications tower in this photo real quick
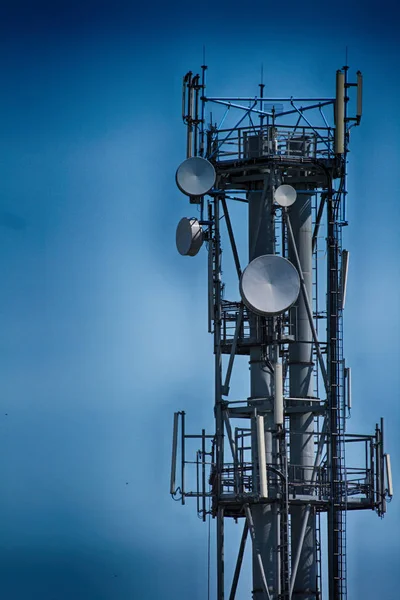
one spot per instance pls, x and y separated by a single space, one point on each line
276 459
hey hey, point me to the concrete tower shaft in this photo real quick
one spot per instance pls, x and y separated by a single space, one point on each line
262 241
302 386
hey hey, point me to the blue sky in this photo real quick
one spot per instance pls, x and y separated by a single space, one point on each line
104 324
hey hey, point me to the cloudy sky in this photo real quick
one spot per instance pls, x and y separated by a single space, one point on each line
104 324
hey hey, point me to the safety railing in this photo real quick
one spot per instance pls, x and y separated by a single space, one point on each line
285 141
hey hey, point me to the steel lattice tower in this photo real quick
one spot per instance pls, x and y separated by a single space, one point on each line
276 460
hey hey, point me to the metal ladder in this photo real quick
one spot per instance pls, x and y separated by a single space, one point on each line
319 555
341 422
316 393
284 521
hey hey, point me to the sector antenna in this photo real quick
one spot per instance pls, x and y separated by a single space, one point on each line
189 237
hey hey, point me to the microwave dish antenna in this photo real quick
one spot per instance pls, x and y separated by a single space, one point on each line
195 176
285 195
269 285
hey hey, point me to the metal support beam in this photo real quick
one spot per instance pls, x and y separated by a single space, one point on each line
174 452
318 456
318 221
298 549
231 237
229 432
256 98
263 206
256 550
183 458
239 561
220 554
219 422
225 387
203 473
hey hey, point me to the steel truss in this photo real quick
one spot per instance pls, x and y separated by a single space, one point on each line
271 149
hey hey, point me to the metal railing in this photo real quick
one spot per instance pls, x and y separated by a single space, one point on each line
289 141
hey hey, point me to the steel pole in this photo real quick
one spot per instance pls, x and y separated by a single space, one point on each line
262 241
302 424
219 418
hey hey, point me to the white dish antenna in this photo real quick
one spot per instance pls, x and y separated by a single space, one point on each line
195 176
269 285
189 237
285 195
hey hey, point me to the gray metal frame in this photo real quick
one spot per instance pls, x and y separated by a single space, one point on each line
250 161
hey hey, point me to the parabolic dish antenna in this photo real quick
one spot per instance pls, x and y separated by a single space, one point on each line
269 285
285 195
195 176
189 237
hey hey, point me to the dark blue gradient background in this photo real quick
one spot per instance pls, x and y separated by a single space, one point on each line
103 325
